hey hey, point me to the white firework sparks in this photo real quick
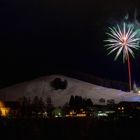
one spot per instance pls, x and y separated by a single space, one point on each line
122 40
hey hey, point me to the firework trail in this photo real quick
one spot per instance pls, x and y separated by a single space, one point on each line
123 39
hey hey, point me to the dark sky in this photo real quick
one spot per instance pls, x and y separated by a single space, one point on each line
38 37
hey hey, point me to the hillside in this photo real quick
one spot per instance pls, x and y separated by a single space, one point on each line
41 87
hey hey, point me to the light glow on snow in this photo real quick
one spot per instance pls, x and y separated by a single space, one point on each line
41 87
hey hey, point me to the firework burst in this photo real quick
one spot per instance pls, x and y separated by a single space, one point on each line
123 39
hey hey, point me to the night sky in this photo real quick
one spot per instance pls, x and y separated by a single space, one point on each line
39 37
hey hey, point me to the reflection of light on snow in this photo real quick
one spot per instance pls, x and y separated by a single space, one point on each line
75 87
121 94
134 98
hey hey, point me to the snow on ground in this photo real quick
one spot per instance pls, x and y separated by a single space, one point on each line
41 87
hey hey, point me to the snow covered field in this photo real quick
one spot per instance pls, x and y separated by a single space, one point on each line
41 87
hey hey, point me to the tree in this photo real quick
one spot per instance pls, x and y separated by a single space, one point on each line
89 103
25 106
66 107
78 102
35 105
72 102
57 83
41 105
84 104
110 101
49 105
102 100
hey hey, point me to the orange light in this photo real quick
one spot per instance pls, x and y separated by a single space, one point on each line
4 111
71 113
1 104
81 115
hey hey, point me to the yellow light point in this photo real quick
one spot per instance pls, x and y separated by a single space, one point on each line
122 108
81 115
71 113
118 108
1 104
4 111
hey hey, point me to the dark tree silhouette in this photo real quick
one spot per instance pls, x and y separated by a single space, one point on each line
110 102
38 106
25 107
66 107
41 105
49 106
89 103
72 102
102 100
57 83
35 104
78 102
84 104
